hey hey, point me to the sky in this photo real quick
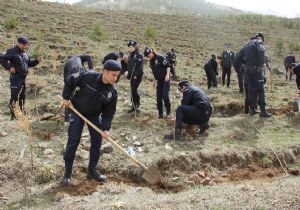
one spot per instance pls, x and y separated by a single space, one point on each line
285 8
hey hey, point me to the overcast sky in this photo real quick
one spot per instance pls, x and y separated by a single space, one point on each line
286 8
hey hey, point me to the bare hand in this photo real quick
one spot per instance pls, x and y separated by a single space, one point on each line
106 135
167 78
12 70
134 77
66 103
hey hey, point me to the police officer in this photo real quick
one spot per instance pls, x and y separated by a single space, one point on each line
211 70
135 73
227 62
72 66
295 69
96 100
112 56
240 70
254 52
195 108
17 61
160 67
288 60
171 57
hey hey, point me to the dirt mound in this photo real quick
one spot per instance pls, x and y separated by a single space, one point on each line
85 187
229 108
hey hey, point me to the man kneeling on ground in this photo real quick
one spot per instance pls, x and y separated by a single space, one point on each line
195 108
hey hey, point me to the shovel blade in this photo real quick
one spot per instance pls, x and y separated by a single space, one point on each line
152 175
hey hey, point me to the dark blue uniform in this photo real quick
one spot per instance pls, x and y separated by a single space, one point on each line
74 65
110 56
195 107
211 73
287 61
20 60
240 70
297 72
171 57
254 53
227 62
97 102
135 75
159 66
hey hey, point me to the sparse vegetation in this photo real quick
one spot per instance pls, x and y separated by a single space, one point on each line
99 33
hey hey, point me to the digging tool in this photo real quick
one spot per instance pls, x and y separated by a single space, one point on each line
151 174
53 115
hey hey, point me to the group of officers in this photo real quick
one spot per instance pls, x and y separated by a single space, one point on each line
94 95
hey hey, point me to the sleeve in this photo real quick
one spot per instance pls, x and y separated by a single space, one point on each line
261 53
32 63
139 65
187 95
109 112
71 83
4 60
88 59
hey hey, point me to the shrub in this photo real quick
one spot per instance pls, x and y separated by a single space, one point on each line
99 33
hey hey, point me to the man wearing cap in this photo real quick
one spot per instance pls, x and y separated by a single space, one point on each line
135 73
211 70
112 56
171 57
226 63
195 108
17 61
96 99
254 53
295 69
160 67
288 60
72 66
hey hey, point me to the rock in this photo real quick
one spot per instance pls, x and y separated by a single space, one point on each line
106 148
48 152
201 174
168 147
3 134
276 71
43 145
134 137
82 154
139 149
137 144
206 181
195 178
174 179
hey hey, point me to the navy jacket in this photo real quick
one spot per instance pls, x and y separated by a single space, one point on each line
135 65
194 96
297 71
159 66
211 66
110 56
253 53
76 64
227 59
93 97
288 60
20 60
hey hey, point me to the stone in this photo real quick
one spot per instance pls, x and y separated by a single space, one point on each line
48 152
139 149
137 144
3 134
82 154
106 148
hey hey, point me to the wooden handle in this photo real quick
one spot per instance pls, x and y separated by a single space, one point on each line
115 144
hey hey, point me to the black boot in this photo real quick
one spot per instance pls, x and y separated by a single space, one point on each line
94 174
160 115
203 128
131 110
177 135
168 113
265 114
67 178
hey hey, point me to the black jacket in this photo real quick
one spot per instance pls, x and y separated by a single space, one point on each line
253 53
93 97
76 64
159 66
194 96
135 65
288 60
211 66
110 56
227 59
20 60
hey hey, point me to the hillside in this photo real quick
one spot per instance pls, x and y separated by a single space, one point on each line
240 162
188 7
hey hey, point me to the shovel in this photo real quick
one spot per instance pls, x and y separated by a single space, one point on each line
151 174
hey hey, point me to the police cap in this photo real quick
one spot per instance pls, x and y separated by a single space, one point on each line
183 83
22 40
112 65
131 43
147 51
260 34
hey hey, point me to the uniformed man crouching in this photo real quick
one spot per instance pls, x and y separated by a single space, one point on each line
96 99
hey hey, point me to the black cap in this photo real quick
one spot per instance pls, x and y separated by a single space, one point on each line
112 65
131 43
260 34
23 40
183 83
213 56
147 51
